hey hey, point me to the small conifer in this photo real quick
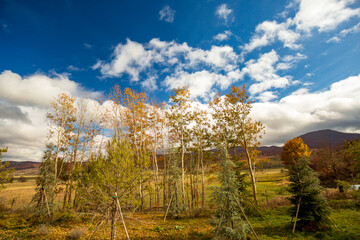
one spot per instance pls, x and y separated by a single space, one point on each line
306 192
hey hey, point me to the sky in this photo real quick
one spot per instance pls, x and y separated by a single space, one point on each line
299 59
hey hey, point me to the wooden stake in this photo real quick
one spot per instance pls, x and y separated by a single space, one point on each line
167 209
122 217
297 213
267 200
333 224
242 211
218 228
13 204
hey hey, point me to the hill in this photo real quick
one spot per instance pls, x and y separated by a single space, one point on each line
327 137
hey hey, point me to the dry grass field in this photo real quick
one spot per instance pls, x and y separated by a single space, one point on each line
274 223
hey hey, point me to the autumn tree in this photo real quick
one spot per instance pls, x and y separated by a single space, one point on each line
200 135
61 124
333 163
136 122
293 150
234 128
179 117
352 148
7 175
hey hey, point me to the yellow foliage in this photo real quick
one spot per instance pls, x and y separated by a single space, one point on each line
293 150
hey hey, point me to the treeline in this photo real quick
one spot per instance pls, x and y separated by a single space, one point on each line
124 139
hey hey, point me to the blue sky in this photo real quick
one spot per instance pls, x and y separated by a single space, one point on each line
299 59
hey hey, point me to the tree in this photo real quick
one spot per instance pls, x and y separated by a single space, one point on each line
7 175
200 134
46 188
233 127
229 223
179 117
293 150
352 148
61 128
333 163
109 182
308 204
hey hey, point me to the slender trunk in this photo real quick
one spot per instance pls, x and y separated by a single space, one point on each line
113 220
156 168
65 196
202 183
251 170
182 168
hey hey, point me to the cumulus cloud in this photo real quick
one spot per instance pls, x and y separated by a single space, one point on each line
180 61
224 13
266 96
223 36
9 111
201 84
167 14
24 90
263 71
302 111
24 102
321 15
268 32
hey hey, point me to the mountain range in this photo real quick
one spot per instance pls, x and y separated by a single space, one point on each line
314 140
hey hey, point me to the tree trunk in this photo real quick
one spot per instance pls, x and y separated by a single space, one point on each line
113 220
252 173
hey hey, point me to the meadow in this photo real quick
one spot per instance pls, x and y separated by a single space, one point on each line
270 220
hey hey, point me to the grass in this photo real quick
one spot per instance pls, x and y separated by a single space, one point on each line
274 223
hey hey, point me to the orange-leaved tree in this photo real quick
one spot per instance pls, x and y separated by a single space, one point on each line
293 150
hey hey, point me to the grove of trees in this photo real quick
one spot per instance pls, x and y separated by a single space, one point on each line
129 153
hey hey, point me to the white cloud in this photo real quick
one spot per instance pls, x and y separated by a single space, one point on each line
88 45
264 73
324 15
353 29
24 102
223 36
344 33
150 84
24 90
267 96
130 58
167 14
300 112
174 61
72 68
224 13
201 84
268 32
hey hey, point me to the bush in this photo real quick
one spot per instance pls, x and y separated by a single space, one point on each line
77 233
42 230
22 179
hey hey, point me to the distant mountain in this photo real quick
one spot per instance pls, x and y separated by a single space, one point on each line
316 139
327 137
23 165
